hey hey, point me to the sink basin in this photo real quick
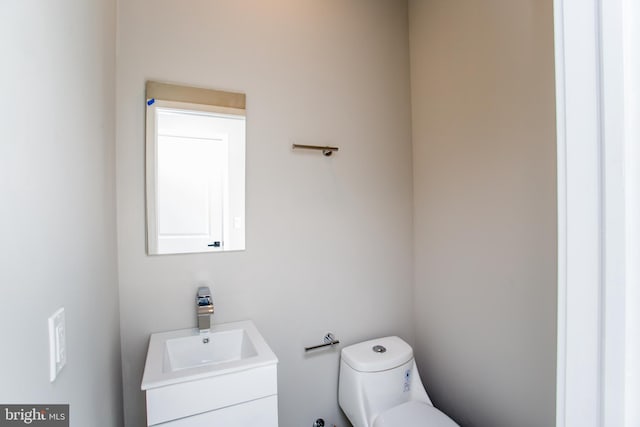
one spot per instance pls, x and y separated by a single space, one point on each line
208 349
188 354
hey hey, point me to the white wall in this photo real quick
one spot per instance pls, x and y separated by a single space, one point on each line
57 219
329 240
482 79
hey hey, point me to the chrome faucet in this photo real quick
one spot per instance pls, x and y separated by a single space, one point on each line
204 308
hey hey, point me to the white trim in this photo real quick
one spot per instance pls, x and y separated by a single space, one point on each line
631 36
613 292
151 179
579 400
598 84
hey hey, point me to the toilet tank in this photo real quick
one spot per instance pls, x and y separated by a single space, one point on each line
375 376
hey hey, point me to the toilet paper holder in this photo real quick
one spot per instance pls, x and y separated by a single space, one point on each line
329 340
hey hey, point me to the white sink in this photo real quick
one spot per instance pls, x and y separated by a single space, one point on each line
208 349
189 373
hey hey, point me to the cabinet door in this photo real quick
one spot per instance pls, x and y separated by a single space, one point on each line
261 412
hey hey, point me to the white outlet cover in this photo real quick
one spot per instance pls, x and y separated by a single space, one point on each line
57 344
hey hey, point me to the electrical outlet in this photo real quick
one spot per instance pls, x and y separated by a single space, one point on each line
57 344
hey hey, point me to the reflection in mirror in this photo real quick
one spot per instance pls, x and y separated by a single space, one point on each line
195 170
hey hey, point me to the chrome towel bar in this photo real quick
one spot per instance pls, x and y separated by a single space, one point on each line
326 150
329 340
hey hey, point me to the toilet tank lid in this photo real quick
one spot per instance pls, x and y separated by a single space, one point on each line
378 354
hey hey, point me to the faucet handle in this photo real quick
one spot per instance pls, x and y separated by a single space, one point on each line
204 301
204 296
204 308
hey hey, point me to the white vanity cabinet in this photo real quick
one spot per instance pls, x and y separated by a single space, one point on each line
262 412
226 377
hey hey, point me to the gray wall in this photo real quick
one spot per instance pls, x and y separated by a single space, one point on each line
482 84
329 240
57 221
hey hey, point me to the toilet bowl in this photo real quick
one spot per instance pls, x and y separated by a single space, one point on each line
379 386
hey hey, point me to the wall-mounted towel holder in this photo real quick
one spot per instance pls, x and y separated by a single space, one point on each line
326 150
329 340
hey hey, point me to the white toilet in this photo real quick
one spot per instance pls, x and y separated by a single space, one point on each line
380 386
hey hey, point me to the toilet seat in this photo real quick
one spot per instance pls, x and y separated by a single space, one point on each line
413 414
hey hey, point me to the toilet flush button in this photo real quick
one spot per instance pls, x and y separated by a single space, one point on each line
379 349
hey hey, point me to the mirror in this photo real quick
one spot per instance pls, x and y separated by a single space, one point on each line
195 170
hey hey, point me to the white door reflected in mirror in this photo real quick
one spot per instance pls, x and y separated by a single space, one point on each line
195 178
